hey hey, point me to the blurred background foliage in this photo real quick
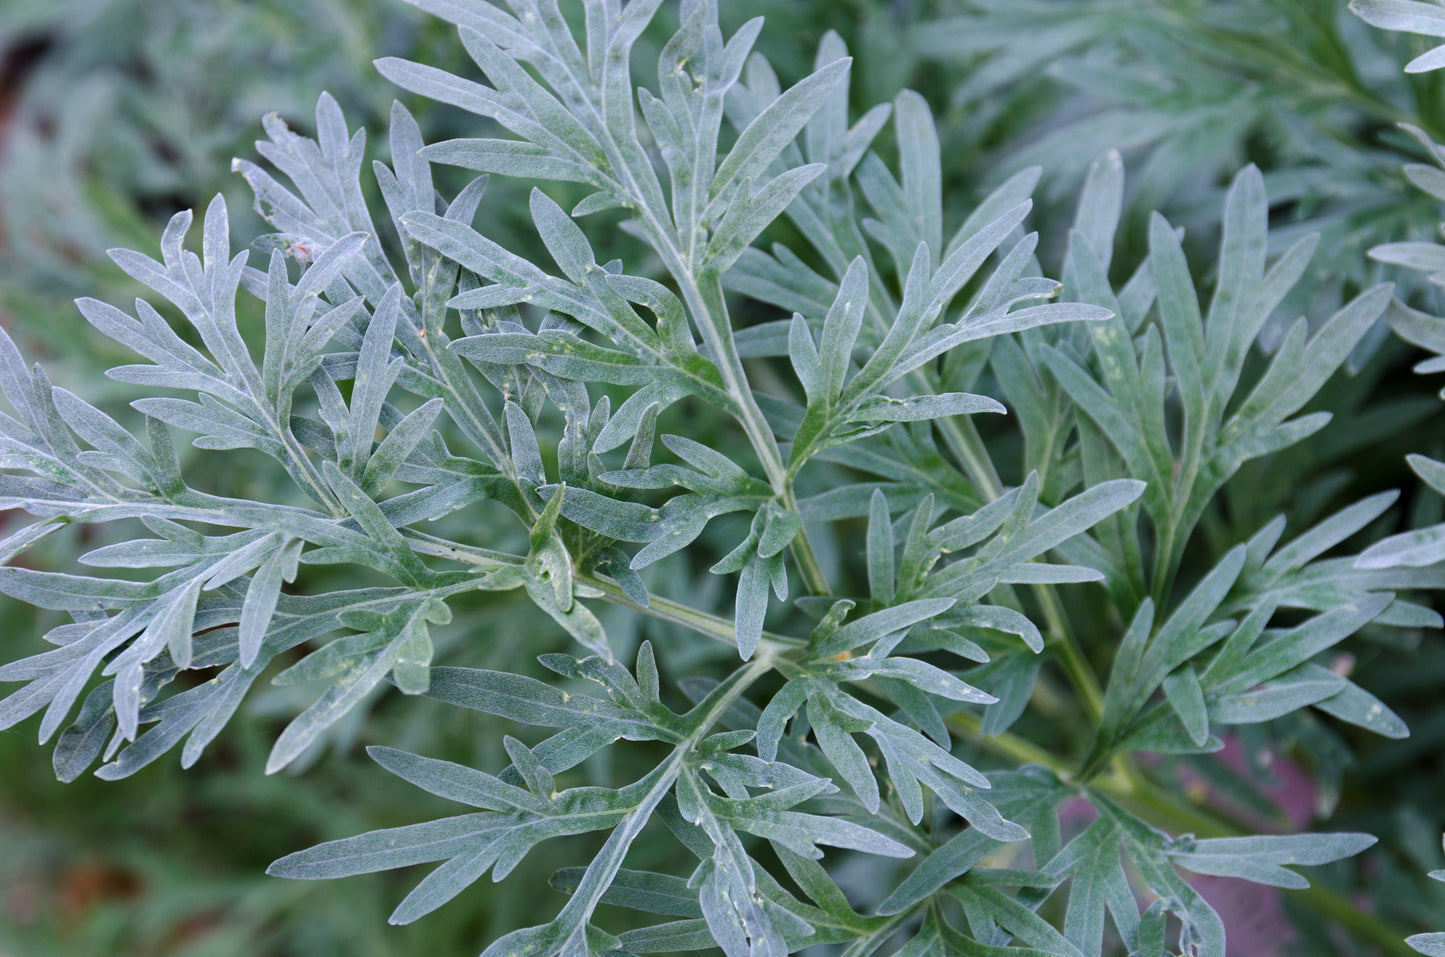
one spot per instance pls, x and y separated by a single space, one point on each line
116 113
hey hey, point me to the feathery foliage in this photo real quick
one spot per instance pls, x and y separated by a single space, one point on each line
901 591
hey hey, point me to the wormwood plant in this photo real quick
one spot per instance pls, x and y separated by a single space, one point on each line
1195 89
1425 546
897 608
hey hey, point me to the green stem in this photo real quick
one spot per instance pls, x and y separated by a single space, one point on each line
425 544
705 299
595 882
663 609
481 429
1164 563
704 623
1071 653
968 446
305 472
965 442
1162 808
1325 900
1007 745
803 554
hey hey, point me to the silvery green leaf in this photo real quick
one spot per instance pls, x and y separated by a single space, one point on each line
57 677
1146 847
1179 315
841 326
1277 698
999 618
1418 548
199 711
561 354
679 935
385 849
1287 651
1101 200
922 176
527 700
508 157
645 891
1258 859
1070 518
773 129
1300 368
18 541
918 553
401 561
554 131
362 673
801 832
920 674
872 627
262 595
80 744
834 732
1407 16
802 351
923 407
616 564
413 658
780 527
216 426
959 855
1186 697
951 640
398 445
880 549
1329 533
959 266
526 453
665 530
575 617
786 282
1238 311
564 240
376 371
1431 945
230 688
750 212
455 782
780 709
1151 928
1431 471
1012 683
121 451
751 605
1016 919
1136 413
917 310
1357 706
